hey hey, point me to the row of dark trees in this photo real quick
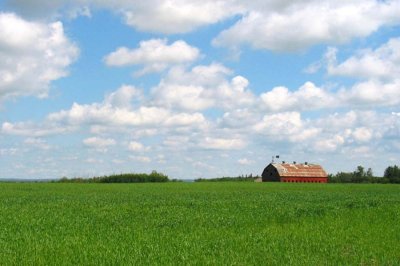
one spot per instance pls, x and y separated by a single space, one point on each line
360 175
228 178
121 178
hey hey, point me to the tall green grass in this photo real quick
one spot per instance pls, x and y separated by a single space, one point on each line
237 223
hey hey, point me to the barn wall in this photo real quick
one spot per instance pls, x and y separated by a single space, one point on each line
304 179
270 174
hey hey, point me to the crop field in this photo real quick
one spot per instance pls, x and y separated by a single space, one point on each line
240 223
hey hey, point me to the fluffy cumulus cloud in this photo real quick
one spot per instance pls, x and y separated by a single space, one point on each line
222 143
154 55
356 129
372 93
177 16
339 132
296 25
273 25
31 129
376 72
99 143
32 55
136 146
37 143
287 126
141 159
244 161
104 114
203 87
383 63
369 93
118 111
307 97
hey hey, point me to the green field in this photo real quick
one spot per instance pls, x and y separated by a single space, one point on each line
240 223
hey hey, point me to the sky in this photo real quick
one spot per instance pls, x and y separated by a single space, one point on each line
197 88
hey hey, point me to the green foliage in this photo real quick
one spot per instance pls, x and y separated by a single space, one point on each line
358 176
121 178
250 178
223 223
392 173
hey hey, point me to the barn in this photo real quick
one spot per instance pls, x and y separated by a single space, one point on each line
294 173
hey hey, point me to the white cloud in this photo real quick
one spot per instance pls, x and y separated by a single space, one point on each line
37 143
310 97
155 55
32 55
339 121
186 97
8 151
296 25
378 69
201 88
222 143
286 126
382 63
244 161
185 119
99 143
362 134
94 161
239 118
307 97
116 113
274 25
177 16
137 146
142 159
123 97
330 144
104 114
108 116
175 142
354 128
372 93
118 161
31 129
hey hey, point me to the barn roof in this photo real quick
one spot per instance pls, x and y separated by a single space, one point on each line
299 170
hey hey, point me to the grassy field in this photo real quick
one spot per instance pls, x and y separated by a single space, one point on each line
237 223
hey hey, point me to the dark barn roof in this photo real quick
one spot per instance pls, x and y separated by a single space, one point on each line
299 170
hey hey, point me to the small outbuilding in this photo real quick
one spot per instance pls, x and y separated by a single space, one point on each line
294 173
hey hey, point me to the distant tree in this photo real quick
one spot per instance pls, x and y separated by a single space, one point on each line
358 175
392 173
360 171
370 173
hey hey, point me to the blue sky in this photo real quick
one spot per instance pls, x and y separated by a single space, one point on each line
197 88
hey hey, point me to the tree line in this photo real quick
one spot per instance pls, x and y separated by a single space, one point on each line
229 178
154 176
360 175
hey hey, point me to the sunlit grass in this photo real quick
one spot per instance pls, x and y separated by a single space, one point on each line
199 223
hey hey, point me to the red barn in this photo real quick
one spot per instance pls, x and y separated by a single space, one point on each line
294 173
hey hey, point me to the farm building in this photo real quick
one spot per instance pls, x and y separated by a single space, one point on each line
294 173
